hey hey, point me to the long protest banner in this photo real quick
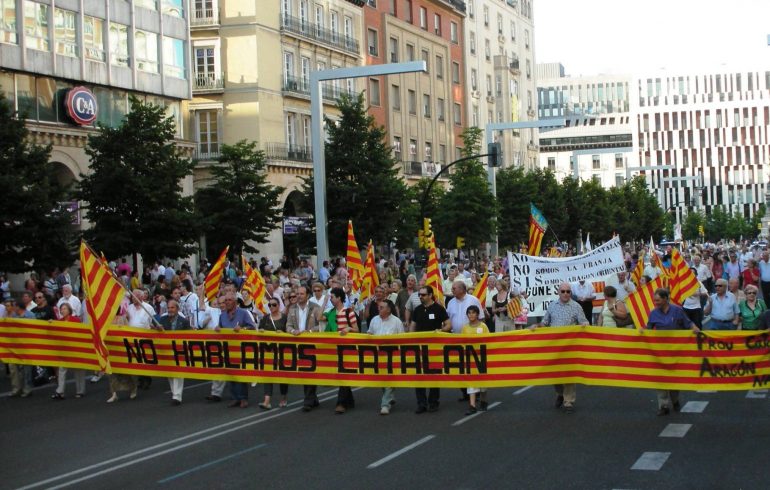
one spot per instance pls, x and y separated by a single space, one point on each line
540 277
587 355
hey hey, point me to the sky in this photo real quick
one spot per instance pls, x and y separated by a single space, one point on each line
591 37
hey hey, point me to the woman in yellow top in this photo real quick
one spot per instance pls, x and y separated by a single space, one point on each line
475 327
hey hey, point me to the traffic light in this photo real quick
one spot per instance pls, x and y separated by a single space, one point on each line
495 154
700 230
421 239
427 229
460 242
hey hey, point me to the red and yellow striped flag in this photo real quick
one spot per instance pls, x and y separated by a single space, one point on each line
432 274
681 279
253 285
481 289
640 303
214 277
638 272
353 259
514 307
103 294
371 279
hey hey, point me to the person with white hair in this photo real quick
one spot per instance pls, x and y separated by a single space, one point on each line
70 299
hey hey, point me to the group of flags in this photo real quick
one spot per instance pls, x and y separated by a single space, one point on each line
363 274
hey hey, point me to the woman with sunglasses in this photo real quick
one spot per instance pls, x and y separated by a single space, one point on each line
751 309
274 321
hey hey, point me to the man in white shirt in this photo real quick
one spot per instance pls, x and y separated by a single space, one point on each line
585 294
622 284
188 302
139 314
458 305
386 324
764 275
67 297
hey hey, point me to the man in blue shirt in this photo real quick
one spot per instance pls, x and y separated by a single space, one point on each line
723 308
666 316
236 318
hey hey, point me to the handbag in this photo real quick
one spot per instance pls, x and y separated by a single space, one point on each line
623 322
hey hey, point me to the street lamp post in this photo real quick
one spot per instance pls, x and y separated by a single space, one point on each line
316 121
489 131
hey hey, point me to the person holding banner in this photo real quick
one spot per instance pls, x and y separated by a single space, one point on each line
305 316
429 316
343 320
475 327
386 324
174 321
666 316
559 314
236 318
723 308
274 321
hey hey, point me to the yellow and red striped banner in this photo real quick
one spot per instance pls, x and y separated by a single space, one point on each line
640 302
683 282
588 355
253 285
432 274
638 272
214 277
481 289
371 278
353 259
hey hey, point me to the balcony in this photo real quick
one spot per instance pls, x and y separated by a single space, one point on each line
314 32
301 86
282 151
208 82
421 169
204 154
204 18
503 62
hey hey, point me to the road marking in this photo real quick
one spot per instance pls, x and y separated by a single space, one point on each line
469 417
756 394
651 461
211 463
196 385
675 430
400 452
522 390
694 407
132 454
706 391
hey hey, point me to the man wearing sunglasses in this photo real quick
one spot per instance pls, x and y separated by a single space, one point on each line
562 313
429 316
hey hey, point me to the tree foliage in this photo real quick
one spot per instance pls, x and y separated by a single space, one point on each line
134 191
240 206
468 209
362 180
36 231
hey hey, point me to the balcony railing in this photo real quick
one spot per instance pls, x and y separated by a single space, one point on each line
422 169
302 86
206 154
204 17
282 151
314 32
208 81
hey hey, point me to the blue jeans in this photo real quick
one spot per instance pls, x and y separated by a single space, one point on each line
720 325
239 391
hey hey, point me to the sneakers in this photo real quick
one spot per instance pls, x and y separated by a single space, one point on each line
471 410
385 411
96 377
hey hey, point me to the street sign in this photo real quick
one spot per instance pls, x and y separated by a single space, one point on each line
294 224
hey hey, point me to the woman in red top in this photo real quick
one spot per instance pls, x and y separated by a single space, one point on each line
65 315
750 274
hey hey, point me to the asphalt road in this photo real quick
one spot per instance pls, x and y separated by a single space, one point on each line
614 440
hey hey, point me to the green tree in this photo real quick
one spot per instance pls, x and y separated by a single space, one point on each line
717 224
647 218
691 226
134 192
411 218
240 206
468 209
515 191
36 231
572 227
362 180
594 210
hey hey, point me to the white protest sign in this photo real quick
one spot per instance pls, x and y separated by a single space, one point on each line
540 276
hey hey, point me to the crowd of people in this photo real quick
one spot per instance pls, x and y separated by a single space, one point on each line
734 283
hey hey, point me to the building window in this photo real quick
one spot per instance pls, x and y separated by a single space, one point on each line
413 150
291 129
93 38
428 151
455 72
64 32
423 18
453 36
471 8
487 50
410 52
513 31
371 40
173 7
208 133
118 44
526 38
618 160
426 105
408 11
595 162
486 16
437 24
374 91
372 3
439 67
475 116
397 147
473 42
619 180
440 109
412 102
458 116
393 50
500 24
474 79
529 70
148 4
393 8
173 57
552 164
36 25
426 59
395 95
442 154
146 49
8 21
